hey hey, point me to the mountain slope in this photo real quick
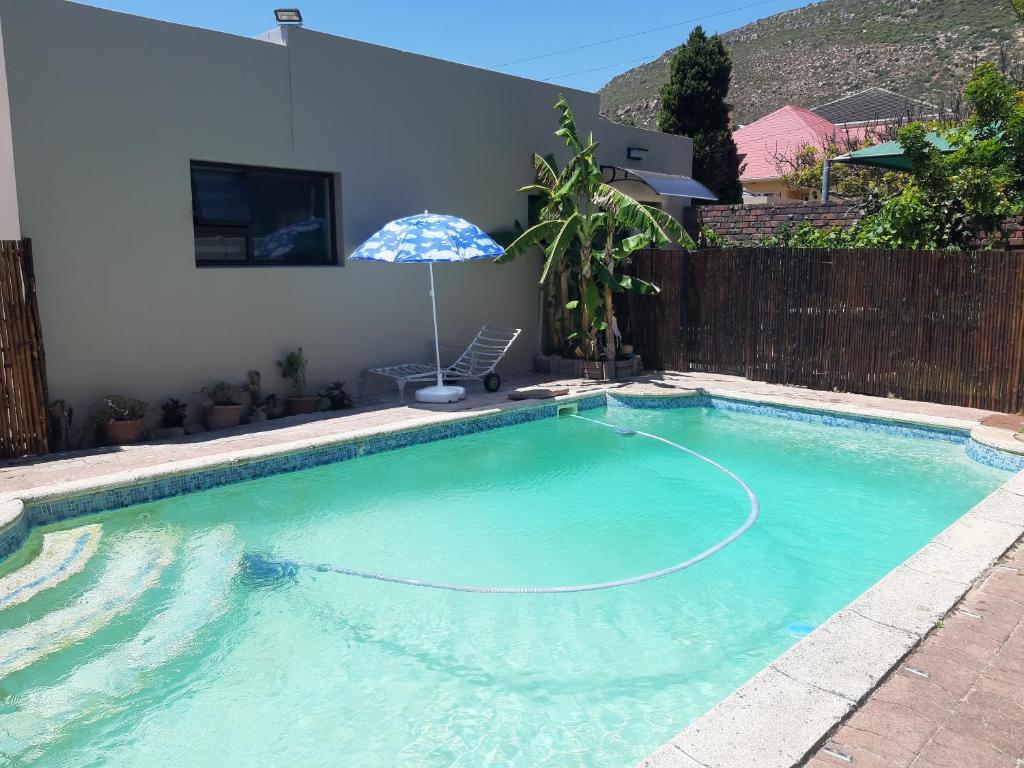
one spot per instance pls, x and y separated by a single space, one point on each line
918 48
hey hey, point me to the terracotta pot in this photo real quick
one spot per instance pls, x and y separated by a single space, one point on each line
305 404
123 432
223 416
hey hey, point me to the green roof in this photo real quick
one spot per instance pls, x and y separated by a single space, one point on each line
890 154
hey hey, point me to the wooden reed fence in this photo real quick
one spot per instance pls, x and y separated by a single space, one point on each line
945 327
23 397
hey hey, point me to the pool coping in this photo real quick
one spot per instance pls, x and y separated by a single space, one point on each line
780 716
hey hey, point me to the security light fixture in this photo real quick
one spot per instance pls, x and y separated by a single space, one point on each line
288 16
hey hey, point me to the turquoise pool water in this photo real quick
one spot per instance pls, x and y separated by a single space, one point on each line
166 651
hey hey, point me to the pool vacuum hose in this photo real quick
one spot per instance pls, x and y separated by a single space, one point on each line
260 564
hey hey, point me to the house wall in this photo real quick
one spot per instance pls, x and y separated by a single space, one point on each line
9 226
776 189
108 109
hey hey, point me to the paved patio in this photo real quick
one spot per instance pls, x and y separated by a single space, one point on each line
955 702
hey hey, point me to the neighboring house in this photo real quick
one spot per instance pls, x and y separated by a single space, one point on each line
773 140
192 195
778 135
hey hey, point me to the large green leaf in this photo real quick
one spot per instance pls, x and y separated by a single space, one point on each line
659 227
557 249
567 129
538 234
627 245
592 299
535 189
546 173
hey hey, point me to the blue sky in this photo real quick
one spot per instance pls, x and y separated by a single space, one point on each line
487 33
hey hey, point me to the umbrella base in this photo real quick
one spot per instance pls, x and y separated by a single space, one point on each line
437 394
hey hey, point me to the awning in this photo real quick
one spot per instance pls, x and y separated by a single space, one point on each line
666 184
890 154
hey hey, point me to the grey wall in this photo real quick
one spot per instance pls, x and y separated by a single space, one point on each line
9 226
108 109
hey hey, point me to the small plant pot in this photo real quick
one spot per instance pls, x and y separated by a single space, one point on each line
301 405
223 416
123 432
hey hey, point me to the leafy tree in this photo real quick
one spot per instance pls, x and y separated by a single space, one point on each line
693 104
804 168
588 230
949 199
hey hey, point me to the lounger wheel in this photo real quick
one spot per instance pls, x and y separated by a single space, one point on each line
492 382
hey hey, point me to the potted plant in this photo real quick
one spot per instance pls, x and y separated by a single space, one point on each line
222 405
266 408
172 419
335 396
588 232
293 367
122 419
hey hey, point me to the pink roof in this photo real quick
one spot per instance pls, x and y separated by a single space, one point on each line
784 131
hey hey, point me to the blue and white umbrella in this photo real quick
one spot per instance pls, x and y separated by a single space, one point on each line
429 238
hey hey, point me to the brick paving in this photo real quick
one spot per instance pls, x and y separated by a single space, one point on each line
958 700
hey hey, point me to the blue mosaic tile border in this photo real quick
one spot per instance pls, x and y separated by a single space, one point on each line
51 511
867 423
793 413
984 454
14 537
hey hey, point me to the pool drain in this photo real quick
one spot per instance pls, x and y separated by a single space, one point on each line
273 570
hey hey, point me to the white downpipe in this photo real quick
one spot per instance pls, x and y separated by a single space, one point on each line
437 341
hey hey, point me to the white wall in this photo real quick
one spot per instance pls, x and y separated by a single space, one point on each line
107 111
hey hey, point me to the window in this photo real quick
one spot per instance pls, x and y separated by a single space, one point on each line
247 216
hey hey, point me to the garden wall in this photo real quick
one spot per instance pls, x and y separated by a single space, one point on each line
746 225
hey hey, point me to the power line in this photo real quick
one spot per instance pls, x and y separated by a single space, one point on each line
631 35
651 57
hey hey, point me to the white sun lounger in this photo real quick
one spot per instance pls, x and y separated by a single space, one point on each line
476 362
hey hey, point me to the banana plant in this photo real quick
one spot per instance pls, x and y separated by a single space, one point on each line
588 230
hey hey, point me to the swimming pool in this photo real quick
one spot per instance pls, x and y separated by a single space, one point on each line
169 645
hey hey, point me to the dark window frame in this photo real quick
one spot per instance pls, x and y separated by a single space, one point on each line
234 228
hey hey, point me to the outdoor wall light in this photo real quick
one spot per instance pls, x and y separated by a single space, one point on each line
288 16
635 153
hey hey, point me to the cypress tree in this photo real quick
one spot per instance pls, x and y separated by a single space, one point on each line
693 103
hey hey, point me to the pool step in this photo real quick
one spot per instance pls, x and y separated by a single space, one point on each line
134 564
64 554
97 688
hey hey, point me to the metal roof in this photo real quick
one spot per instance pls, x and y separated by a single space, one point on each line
874 105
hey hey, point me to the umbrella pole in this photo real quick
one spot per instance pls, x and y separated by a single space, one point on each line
437 341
